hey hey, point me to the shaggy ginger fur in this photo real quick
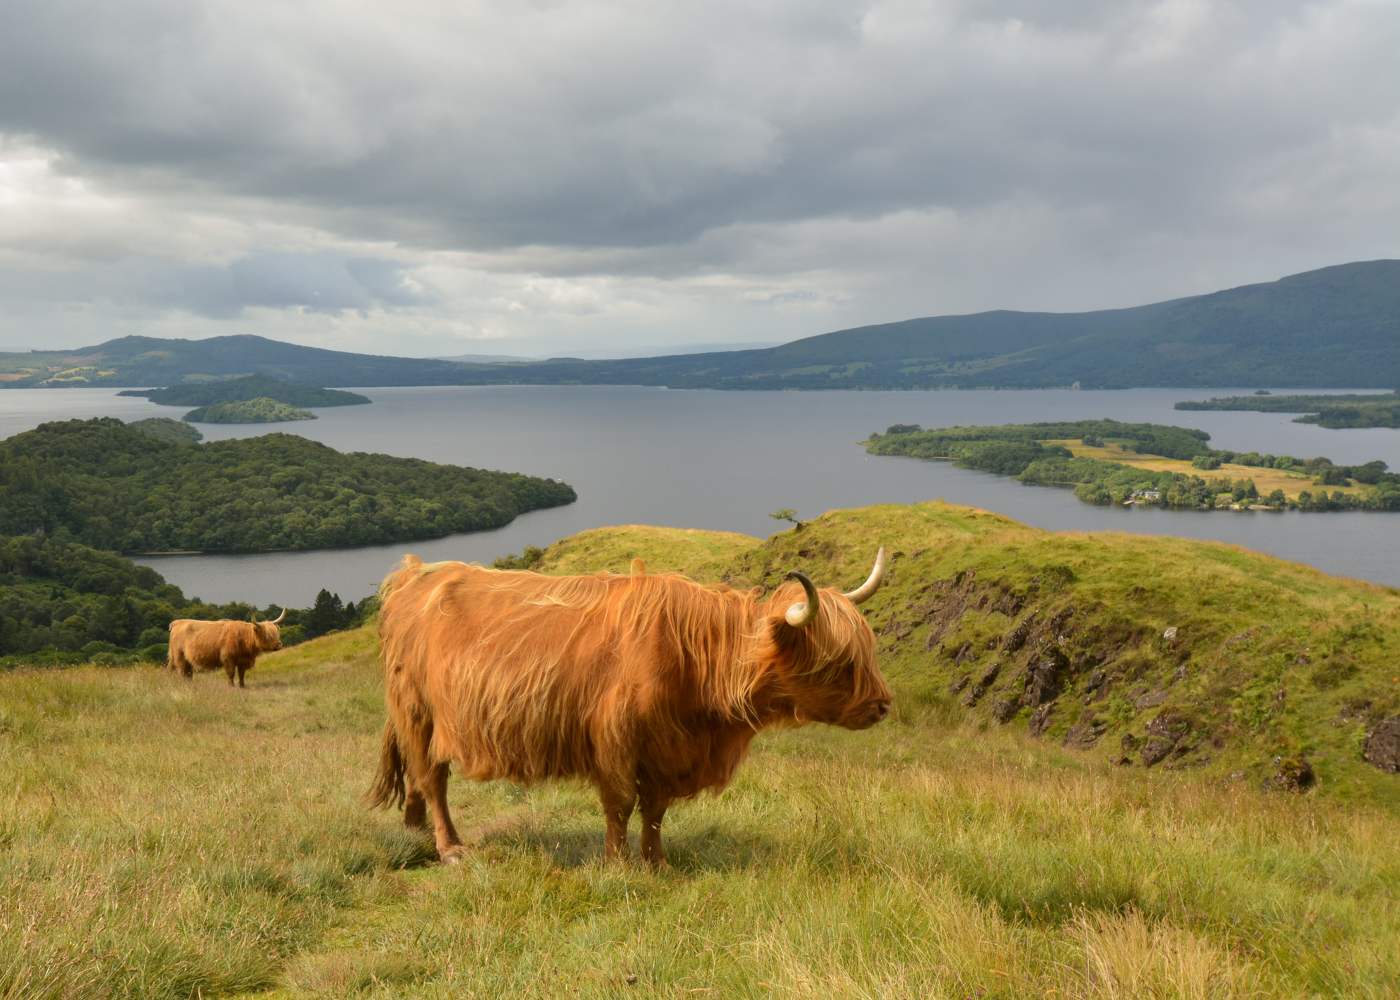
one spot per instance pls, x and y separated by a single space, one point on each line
233 645
649 686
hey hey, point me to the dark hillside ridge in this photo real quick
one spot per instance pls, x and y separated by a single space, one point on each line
147 361
1335 327
1330 328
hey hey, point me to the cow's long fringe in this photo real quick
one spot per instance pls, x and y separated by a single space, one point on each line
388 788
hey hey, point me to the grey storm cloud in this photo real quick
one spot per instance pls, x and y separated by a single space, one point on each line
317 282
747 139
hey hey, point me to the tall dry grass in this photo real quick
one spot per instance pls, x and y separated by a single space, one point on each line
165 839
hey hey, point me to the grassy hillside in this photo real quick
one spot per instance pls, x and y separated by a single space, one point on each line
164 839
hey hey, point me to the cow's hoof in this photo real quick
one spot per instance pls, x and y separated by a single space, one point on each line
453 855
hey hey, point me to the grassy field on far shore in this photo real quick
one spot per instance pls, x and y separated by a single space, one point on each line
1265 480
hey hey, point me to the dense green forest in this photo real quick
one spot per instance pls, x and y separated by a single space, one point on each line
1038 454
103 484
233 390
61 602
1333 327
168 430
248 411
1337 411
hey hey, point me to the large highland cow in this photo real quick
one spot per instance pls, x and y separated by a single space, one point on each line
649 686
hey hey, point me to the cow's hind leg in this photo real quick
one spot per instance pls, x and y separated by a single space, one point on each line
415 807
618 804
653 812
434 785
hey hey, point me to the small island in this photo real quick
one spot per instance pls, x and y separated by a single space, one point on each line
246 388
261 410
1340 411
1111 462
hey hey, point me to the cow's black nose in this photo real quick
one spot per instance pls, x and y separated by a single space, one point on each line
882 709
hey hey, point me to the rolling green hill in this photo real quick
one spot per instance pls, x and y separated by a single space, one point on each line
260 410
1063 635
147 361
984 841
1334 327
168 430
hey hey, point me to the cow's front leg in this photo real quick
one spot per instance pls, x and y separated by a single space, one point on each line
230 669
654 806
617 811
242 669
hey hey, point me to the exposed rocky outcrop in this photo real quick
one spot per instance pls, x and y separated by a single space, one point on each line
1291 774
1170 733
1086 732
975 693
1382 747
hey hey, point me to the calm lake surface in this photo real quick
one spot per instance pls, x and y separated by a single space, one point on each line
709 459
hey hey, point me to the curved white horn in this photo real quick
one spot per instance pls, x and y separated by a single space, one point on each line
872 582
801 613
278 619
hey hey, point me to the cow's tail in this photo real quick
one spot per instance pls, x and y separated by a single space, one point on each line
388 788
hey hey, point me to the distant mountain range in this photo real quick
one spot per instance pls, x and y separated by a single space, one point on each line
151 361
1334 327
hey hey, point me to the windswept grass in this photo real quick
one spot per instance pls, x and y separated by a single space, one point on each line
168 839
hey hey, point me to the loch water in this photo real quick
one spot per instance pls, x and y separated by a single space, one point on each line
724 460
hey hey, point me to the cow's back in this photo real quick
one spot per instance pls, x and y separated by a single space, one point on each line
205 644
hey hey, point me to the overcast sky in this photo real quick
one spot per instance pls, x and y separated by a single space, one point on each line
533 178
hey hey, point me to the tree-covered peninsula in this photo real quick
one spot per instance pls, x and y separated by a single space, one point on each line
109 486
1335 411
1108 461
